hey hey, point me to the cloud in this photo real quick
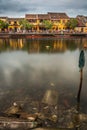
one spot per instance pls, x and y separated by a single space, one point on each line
21 7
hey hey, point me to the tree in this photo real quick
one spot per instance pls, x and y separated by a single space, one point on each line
25 24
72 23
3 25
47 24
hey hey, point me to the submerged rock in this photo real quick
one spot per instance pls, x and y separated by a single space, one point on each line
47 116
79 119
54 118
50 97
83 117
29 117
14 110
17 124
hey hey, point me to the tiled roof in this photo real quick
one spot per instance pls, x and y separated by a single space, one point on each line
43 16
82 18
31 16
80 23
14 19
50 15
58 15
3 17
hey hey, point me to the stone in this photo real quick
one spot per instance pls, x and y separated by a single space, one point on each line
29 117
13 110
54 118
50 97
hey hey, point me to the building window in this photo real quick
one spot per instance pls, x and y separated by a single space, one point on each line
41 20
63 21
15 22
59 21
9 22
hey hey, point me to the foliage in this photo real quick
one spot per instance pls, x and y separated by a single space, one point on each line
3 25
47 24
72 23
25 24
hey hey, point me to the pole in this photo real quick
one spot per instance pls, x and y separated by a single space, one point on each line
79 91
81 65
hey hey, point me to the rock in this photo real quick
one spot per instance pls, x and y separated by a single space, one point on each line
40 116
52 84
56 107
32 117
46 107
54 118
29 117
35 109
79 119
47 123
18 125
15 109
83 117
50 97
70 125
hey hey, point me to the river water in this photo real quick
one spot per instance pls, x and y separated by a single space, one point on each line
31 69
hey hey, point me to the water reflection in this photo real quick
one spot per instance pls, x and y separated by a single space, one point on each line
41 45
28 66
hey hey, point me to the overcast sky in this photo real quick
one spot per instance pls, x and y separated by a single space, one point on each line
18 8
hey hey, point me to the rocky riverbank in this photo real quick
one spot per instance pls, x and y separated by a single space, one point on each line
49 116
45 112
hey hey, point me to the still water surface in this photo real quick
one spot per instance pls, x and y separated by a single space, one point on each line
29 68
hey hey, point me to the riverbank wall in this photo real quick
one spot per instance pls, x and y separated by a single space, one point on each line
42 35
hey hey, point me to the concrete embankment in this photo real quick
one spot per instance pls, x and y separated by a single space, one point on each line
42 35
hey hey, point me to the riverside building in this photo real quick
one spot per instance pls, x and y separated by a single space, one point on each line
58 21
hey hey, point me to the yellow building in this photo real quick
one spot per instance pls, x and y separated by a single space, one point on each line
14 23
58 19
82 24
33 19
5 19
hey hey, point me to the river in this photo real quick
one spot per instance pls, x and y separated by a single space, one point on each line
30 69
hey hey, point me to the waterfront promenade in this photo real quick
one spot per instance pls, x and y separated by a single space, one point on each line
41 34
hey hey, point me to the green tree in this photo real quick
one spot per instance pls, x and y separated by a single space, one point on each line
3 25
47 24
25 24
72 23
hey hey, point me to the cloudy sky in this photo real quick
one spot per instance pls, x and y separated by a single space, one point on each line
18 8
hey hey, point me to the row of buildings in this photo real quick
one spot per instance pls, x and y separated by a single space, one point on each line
59 21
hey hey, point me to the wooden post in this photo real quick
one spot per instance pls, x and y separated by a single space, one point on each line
79 92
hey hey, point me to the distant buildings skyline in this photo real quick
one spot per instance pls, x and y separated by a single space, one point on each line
58 20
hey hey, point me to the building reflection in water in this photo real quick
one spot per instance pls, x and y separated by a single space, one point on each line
41 45
16 43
